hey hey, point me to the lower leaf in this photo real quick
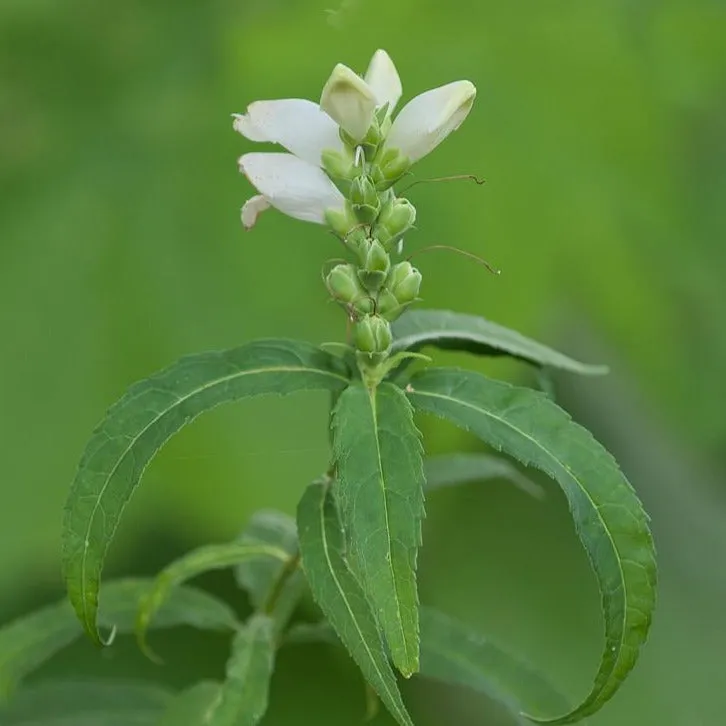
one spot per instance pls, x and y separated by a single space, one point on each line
243 697
609 518
203 559
340 597
29 641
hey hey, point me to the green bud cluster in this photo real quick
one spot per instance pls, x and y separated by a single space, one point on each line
373 289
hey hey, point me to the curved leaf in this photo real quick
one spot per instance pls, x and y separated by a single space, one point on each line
453 653
29 641
267 579
379 468
455 331
453 469
340 597
193 706
244 694
609 518
86 703
138 425
203 559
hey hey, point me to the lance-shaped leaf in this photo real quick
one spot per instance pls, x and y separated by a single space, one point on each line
379 487
272 583
145 418
340 597
86 703
453 653
609 518
452 469
203 559
455 331
193 706
243 696
32 639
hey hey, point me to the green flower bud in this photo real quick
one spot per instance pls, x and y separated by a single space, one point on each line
341 221
373 334
376 264
395 220
405 283
387 304
389 167
339 164
364 198
343 283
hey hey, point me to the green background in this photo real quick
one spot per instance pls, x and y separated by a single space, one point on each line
600 128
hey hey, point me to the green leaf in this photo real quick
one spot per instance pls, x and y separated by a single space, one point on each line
138 425
609 518
86 703
453 653
453 469
203 559
265 579
193 706
455 331
337 592
243 698
379 487
29 641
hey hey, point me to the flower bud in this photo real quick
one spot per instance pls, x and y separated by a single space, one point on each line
375 267
373 334
338 164
395 220
391 165
387 305
341 221
364 198
343 283
405 283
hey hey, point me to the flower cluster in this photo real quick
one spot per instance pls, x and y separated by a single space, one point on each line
345 156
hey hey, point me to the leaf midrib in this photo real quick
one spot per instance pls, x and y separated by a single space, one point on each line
466 404
382 483
195 392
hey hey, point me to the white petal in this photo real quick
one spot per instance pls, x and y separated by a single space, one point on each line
349 101
428 119
295 187
252 209
383 78
298 125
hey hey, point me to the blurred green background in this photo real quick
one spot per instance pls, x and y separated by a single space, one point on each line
600 128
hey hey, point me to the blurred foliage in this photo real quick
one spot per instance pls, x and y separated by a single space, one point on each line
600 128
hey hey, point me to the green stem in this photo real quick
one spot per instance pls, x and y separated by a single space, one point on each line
291 565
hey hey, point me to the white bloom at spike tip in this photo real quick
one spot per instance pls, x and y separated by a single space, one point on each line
291 185
384 80
349 101
426 120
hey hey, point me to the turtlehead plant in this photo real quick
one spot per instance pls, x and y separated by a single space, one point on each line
353 544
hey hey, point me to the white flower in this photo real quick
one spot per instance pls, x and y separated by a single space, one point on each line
349 101
428 119
289 184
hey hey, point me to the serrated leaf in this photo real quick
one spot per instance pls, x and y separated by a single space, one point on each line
138 425
453 653
86 703
202 559
244 694
456 331
192 707
379 487
609 518
453 469
340 597
263 578
32 639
